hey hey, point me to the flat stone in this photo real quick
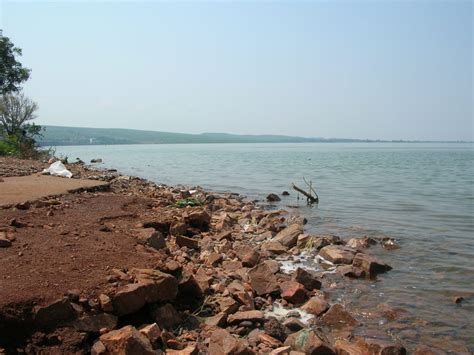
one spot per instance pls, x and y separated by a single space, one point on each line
127 340
219 320
252 316
293 292
316 306
337 317
5 243
191 243
288 237
95 322
263 280
338 254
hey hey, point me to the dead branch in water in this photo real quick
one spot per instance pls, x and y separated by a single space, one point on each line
310 199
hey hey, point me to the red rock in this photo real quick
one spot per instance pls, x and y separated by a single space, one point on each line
151 237
273 265
93 323
189 289
283 350
262 280
152 332
227 305
293 292
248 255
425 350
232 265
337 254
308 342
252 316
178 227
273 246
316 306
219 320
289 236
222 343
343 347
127 341
199 218
372 266
383 347
214 259
351 271
224 235
105 303
54 314
269 340
152 286
167 317
275 328
308 279
191 243
188 350
337 317
361 243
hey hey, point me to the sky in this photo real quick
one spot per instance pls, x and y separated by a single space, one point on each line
346 69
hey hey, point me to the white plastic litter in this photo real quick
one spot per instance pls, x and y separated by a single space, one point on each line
58 169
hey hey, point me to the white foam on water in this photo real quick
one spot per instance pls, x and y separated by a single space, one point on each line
280 313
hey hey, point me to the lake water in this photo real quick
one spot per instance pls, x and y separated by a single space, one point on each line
420 194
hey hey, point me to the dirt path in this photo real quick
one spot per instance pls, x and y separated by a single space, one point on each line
18 189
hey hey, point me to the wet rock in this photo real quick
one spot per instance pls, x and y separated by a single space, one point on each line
309 279
372 266
458 299
54 314
337 317
95 322
191 243
152 286
378 346
273 198
97 160
361 243
338 254
288 237
275 328
167 317
343 347
293 292
389 243
308 342
219 320
351 271
248 255
285 193
263 280
151 237
252 316
316 306
128 341
222 342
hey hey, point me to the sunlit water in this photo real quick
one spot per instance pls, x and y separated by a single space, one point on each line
420 194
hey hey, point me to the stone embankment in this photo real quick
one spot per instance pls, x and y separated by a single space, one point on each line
149 269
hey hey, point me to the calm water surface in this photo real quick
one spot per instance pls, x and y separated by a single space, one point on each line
420 194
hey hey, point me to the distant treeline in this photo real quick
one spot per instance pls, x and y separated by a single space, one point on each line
58 135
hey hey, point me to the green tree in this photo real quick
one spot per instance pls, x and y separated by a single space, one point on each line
12 72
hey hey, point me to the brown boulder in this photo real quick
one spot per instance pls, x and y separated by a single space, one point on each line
262 280
316 306
248 255
152 286
273 246
151 237
288 237
54 314
191 243
167 317
308 279
223 343
372 266
337 317
293 292
127 341
308 342
338 254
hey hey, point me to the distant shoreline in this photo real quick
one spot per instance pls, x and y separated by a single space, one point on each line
71 136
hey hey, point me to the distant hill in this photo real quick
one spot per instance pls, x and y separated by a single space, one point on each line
59 135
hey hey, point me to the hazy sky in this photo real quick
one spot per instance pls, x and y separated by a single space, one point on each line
372 69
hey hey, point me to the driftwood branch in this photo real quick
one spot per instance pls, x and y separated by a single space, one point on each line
309 197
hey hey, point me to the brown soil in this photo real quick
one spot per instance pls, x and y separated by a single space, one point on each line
19 189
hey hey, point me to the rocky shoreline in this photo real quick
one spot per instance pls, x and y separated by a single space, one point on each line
147 269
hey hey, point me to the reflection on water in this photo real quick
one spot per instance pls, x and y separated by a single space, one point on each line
420 194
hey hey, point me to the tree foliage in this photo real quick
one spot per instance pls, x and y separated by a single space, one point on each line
12 72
